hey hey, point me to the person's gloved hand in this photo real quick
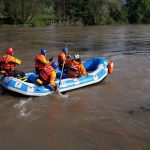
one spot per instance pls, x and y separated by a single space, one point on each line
51 59
2 72
18 61
68 56
55 88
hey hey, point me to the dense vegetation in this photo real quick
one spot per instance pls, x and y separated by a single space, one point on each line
74 12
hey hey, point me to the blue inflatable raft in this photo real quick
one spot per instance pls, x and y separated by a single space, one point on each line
97 69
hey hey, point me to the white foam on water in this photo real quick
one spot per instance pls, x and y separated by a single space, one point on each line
63 95
21 107
60 95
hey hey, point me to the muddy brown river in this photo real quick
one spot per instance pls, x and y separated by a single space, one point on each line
111 115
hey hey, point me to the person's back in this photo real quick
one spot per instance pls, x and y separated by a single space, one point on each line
76 68
48 75
40 61
62 56
8 62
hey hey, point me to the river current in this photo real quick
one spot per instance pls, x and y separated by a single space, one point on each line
111 115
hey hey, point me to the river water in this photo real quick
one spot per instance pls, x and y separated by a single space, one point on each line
111 115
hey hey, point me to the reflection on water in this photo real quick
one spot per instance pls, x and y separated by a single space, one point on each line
110 115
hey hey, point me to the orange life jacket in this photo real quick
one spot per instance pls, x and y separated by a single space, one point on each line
46 72
73 70
38 61
7 63
61 56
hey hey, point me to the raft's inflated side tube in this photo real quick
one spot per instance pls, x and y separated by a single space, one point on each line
110 67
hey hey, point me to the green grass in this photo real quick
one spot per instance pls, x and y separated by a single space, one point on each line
43 20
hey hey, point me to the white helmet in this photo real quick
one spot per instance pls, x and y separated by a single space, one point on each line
76 56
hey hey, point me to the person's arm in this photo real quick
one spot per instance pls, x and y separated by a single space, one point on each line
63 57
15 60
82 70
52 79
43 60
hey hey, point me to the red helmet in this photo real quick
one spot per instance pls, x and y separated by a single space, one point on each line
10 51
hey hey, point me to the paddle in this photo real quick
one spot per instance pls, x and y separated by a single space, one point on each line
61 74
62 69
57 91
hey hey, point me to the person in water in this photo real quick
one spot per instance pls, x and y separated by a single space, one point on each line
8 64
48 75
40 60
75 68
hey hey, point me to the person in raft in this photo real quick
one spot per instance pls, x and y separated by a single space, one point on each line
40 60
8 64
75 67
62 58
48 75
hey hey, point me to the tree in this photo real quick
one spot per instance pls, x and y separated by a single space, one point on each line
74 11
61 9
20 11
139 11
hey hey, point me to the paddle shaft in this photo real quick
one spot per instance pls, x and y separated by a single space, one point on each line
62 69
61 74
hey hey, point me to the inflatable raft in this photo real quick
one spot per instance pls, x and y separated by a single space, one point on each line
97 69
